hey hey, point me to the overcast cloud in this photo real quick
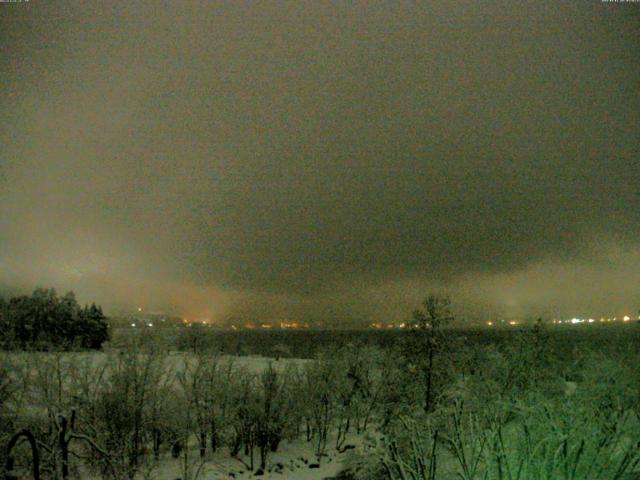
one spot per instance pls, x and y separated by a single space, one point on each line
319 160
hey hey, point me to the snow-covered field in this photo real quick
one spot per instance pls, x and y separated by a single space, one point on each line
227 401
293 459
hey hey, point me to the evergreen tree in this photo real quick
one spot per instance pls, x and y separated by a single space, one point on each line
43 320
96 330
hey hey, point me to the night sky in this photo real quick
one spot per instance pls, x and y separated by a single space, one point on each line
323 161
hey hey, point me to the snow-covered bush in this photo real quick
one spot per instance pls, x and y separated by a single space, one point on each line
120 417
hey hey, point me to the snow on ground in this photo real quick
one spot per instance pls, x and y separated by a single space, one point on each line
293 460
290 462
173 361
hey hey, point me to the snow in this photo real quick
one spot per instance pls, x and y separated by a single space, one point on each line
290 462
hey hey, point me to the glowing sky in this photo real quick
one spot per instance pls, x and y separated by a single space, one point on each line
321 160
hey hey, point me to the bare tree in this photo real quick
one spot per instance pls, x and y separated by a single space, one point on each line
431 319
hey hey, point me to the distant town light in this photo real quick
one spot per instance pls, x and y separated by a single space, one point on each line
489 323
133 324
150 324
139 309
626 318
513 322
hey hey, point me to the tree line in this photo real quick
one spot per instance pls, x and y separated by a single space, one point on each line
44 321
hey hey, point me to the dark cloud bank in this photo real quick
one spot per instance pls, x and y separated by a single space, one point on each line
323 160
